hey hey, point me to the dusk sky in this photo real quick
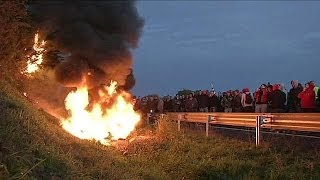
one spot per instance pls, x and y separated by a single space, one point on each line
234 44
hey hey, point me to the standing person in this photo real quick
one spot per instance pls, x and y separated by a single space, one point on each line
317 93
197 96
166 104
154 103
213 102
194 103
170 104
236 101
144 105
188 104
308 98
270 89
261 97
203 102
182 106
149 105
226 101
247 100
277 100
293 100
176 104
160 105
191 104
284 89
318 99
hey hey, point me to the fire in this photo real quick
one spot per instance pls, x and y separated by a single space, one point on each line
102 124
36 59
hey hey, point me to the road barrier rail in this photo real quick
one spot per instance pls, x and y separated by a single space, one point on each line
306 122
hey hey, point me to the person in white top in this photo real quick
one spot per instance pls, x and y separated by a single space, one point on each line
247 100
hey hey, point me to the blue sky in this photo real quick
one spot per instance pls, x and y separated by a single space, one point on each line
234 44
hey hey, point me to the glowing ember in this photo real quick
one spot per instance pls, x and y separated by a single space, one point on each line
36 59
102 124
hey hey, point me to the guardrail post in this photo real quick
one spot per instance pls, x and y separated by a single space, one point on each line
207 128
258 133
210 119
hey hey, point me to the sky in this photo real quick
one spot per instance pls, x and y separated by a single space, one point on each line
230 44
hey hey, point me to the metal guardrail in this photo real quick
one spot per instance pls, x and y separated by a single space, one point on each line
309 122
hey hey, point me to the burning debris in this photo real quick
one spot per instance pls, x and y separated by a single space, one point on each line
95 40
37 57
103 124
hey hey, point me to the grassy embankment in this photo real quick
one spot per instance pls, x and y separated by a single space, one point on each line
34 145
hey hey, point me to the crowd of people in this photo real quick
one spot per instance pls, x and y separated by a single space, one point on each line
267 98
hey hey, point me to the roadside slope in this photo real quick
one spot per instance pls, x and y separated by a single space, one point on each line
31 141
33 145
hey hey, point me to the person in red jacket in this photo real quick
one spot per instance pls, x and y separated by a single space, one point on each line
308 98
261 97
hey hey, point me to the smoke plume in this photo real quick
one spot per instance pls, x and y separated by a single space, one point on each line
99 35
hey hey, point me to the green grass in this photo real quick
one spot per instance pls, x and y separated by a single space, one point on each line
33 145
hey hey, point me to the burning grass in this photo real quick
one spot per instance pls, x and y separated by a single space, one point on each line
116 121
33 145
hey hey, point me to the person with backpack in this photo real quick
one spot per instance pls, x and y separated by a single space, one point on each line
247 100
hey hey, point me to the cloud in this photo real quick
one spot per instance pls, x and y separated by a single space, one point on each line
208 40
231 35
155 28
311 42
312 35
197 41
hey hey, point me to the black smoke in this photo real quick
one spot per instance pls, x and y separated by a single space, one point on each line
99 35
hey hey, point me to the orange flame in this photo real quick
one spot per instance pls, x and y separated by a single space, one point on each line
100 124
36 59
